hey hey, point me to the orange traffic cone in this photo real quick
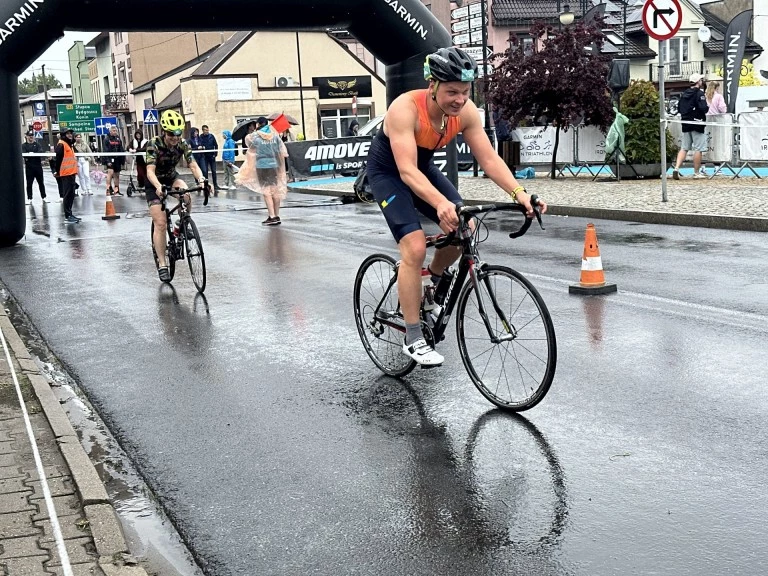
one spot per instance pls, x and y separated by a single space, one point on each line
110 210
592 278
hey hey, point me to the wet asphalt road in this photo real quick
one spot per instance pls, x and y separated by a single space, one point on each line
276 447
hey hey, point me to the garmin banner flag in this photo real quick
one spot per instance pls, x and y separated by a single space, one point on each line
733 52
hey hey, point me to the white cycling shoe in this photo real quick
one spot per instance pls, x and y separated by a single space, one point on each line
422 353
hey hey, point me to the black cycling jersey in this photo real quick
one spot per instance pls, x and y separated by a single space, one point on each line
165 159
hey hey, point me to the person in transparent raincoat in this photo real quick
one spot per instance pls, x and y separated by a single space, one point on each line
264 168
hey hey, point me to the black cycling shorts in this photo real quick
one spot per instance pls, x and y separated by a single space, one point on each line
151 193
401 206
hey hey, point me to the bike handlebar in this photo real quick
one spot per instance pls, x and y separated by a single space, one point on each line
466 212
171 191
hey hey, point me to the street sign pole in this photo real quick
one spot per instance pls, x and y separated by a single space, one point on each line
663 123
662 20
486 106
48 112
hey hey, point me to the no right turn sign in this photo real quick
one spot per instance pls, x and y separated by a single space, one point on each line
662 18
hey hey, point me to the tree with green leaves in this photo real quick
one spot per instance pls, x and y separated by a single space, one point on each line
28 86
561 84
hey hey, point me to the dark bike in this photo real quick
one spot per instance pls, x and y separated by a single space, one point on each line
183 241
505 333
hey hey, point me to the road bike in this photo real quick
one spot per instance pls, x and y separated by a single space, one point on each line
183 238
505 333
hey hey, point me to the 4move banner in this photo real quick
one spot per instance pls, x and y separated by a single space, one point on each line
309 158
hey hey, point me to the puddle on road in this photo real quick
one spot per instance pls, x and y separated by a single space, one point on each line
151 537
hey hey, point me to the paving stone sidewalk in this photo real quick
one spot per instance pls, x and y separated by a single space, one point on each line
90 528
719 202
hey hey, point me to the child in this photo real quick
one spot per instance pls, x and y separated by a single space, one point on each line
228 156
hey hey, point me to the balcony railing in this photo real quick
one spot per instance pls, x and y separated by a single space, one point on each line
676 71
116 102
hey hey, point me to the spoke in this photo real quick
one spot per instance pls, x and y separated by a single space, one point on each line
504 369
481 353
527 323
520 370
520 365
542 360
486 364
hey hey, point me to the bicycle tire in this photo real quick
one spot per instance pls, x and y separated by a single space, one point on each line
534 340
385 349
195 254
171 262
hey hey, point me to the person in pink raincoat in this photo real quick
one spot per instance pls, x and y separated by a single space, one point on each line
264 168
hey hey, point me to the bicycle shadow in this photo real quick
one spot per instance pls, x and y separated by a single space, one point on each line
548 468
189 330
504 490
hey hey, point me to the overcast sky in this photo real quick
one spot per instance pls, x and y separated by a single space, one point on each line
55 58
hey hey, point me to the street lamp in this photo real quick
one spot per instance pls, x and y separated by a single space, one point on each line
566 16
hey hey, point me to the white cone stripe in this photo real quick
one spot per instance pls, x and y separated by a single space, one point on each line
591 263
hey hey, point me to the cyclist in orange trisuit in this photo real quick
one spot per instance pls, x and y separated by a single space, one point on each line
405 181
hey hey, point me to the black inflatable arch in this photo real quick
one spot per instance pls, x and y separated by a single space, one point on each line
398 32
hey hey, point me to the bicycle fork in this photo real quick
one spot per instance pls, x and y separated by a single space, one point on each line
478 275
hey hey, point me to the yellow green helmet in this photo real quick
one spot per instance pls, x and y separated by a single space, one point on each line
173 122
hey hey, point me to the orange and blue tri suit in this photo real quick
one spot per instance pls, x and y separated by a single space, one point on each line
398 203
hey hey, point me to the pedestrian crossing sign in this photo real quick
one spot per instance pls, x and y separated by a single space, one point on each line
150 116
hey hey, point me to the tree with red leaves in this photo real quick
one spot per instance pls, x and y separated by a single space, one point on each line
562 83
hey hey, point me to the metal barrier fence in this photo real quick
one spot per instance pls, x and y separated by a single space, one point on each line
734 142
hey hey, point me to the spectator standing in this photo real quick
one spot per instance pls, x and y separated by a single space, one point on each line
54 166
229 151
83 165
715 99
197 146
287 136
112 146
139 145
209 143
354 126
693 109
66 168
33 166
264 168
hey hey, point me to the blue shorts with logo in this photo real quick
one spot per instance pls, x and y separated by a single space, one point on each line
400 206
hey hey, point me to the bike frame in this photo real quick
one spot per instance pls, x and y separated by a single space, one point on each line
177 253
470 266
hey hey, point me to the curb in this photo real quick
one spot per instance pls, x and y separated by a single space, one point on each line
718 221
106 531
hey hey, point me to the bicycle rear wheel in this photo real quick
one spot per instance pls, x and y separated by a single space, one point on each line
168 258
382 340
516 371
195 255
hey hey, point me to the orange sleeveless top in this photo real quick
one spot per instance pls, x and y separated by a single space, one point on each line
426 136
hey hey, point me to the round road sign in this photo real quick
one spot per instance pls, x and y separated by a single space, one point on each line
662 18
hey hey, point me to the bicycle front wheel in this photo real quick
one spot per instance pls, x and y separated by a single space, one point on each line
168 257
195 255
513 363
382 332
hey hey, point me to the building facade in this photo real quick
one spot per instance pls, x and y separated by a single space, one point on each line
79 58
237 82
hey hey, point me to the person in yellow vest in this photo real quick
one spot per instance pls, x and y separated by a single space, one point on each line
66 172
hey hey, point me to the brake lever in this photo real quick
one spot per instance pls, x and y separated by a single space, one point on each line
536 212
